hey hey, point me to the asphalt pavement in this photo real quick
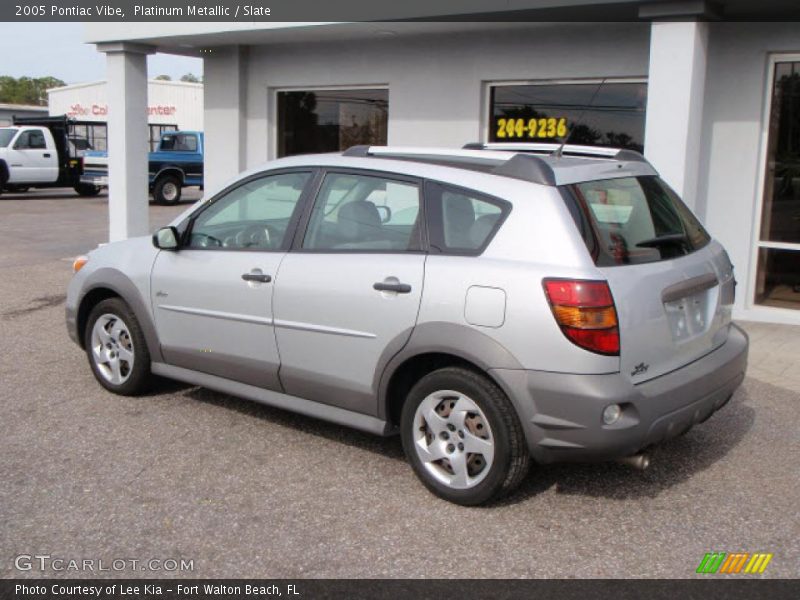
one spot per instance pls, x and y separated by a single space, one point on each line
243 490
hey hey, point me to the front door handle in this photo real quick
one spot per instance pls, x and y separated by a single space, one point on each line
259 277
388 286
47 155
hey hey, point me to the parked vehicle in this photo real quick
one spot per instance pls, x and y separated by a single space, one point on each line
490 307
37 152
177 163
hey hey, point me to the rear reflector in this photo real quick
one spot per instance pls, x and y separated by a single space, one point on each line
585 312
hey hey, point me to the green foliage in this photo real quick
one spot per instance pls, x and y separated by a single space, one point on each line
27 90
163 78
191 78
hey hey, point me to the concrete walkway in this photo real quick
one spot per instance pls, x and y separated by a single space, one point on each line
774 353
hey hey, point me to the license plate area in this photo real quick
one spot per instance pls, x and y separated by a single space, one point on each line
691 316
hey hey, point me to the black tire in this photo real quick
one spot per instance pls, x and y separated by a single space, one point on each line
87 190
138 378
511 456
167 190
3 177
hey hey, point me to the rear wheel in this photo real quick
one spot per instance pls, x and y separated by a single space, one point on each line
86 189
463 438
167 190
116 348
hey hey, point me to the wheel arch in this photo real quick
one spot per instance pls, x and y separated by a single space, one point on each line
170 170
434 346
109 283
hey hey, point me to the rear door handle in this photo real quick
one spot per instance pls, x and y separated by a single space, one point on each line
259 277
47 155
384 286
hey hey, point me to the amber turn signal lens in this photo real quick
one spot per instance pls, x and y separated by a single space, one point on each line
78 263
586 318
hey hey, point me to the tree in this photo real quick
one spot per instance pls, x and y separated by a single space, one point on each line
163 78
27 90
191 78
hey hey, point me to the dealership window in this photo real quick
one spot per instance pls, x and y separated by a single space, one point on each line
156 131
95 134
331 120
596 113
778 274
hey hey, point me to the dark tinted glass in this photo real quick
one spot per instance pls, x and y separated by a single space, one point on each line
780 221
331 120
778 282
633 220
541 113
461 221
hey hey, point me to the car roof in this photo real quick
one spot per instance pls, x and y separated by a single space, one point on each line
546 164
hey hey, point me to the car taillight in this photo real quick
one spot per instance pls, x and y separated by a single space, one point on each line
585 312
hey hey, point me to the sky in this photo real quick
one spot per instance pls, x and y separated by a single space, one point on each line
57 49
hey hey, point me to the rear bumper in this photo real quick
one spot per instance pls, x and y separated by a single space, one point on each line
562 413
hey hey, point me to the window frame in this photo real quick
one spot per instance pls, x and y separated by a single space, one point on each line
312 185
434 218
272 148
302 229
486 112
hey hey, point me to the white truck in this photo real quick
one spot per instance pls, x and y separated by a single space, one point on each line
37 152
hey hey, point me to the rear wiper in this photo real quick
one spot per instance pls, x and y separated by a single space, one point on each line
665 240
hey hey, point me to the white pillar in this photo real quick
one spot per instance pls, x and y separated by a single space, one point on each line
126 72
224 115
675 88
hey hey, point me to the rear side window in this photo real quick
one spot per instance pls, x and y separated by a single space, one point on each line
462 221
633 220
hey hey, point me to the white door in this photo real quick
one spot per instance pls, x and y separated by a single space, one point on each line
213 296
349 296
31 160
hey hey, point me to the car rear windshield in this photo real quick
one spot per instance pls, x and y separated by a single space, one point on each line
633 220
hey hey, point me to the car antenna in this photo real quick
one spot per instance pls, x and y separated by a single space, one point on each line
560 150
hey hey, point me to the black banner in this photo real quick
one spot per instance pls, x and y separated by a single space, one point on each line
281 11
388 589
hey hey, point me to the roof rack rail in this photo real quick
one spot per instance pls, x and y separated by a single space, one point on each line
528 167
361 150
574 150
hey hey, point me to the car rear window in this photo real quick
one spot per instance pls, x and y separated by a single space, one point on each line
632 220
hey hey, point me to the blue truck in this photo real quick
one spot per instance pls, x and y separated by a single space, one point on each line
176 164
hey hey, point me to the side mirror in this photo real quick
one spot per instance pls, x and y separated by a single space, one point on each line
385 213
166 238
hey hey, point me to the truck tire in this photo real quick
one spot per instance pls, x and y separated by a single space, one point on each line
167 190
87 190
3 176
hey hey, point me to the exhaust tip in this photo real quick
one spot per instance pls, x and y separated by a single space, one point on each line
640 462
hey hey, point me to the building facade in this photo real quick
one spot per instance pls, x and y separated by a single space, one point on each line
9 111
171 105
715 106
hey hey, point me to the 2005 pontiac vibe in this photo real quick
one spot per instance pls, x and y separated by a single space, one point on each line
492 305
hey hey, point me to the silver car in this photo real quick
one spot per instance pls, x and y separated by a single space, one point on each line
491 306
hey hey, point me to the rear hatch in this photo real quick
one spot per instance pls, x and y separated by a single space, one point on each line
672 285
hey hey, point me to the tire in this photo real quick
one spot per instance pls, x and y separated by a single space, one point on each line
167 190
87 190
113 340
447 413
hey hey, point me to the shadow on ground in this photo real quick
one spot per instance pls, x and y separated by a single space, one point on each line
672 462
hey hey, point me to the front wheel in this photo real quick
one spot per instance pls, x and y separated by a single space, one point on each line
167 190
116 348
463 438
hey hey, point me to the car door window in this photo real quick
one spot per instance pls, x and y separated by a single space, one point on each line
256 215
364 213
